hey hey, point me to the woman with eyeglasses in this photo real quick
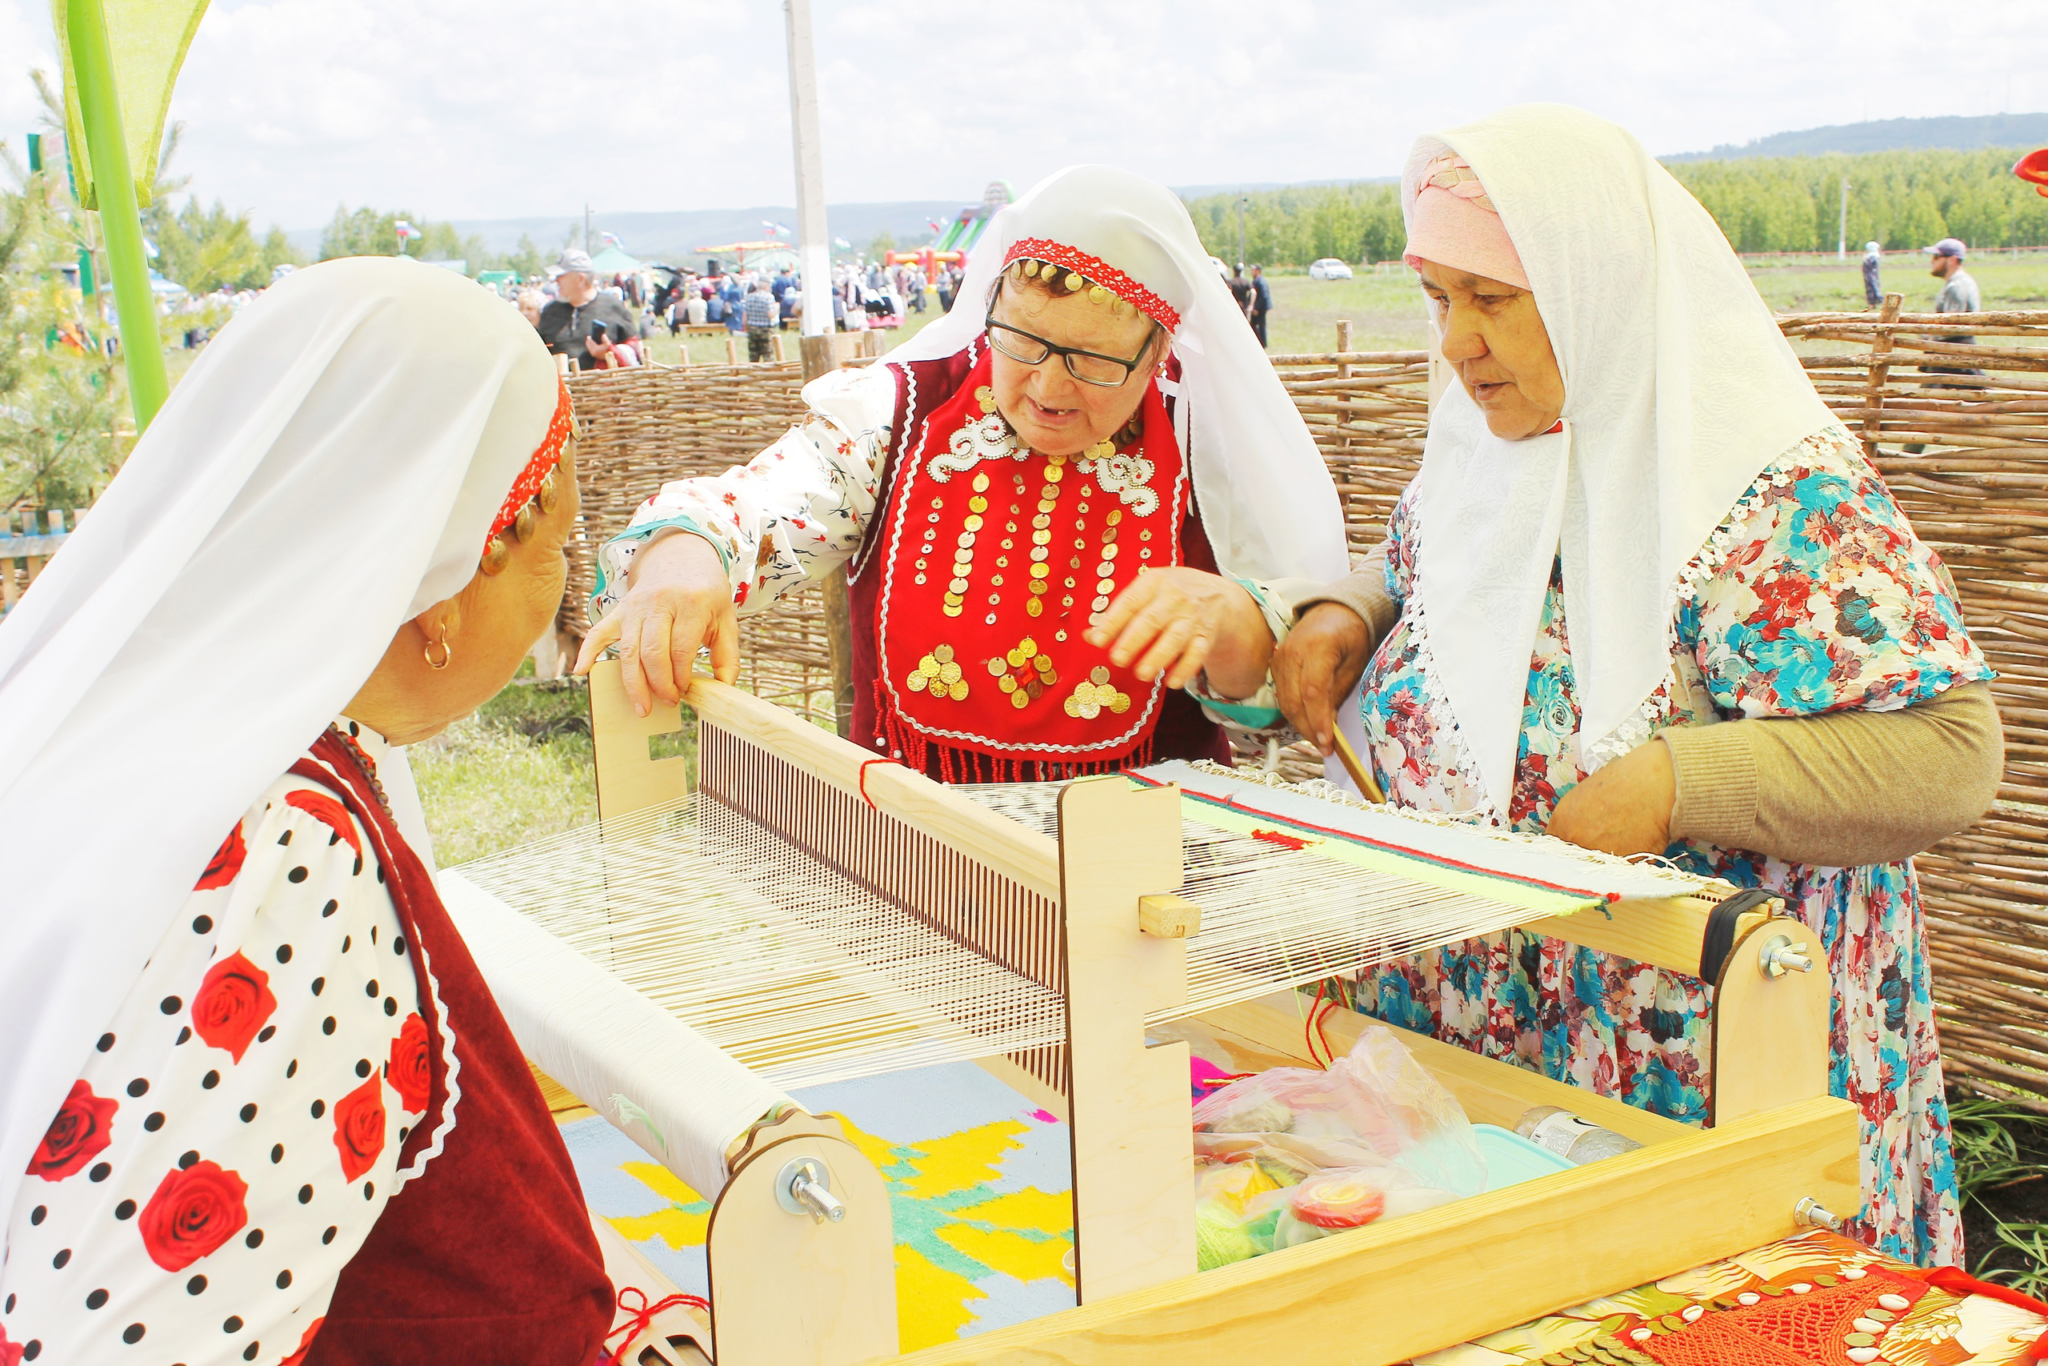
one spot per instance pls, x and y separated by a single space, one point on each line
1074 513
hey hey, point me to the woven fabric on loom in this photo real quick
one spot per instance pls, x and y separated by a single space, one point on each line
1807 1301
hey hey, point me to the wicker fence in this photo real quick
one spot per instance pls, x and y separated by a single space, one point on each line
1966 454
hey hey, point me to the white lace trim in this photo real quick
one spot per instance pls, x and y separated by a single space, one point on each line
1436 702
1704 567
452 1070
1701 570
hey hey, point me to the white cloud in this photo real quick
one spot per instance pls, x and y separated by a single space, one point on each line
492 108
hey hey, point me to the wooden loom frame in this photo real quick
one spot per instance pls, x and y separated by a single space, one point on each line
1379 1294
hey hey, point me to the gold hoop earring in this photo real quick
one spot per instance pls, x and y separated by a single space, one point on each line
447 654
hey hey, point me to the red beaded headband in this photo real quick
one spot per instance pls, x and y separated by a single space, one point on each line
1098 272
535 479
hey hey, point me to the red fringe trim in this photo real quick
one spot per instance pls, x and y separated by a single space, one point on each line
953 764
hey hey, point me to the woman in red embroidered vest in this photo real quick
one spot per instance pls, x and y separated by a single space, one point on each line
256 1103
1080 493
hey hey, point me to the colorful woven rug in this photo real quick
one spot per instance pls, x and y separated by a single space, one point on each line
1815 1300
979 1181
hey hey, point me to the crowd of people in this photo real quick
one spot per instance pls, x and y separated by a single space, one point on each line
604 322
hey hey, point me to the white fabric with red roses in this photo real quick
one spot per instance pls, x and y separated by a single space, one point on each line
237 1131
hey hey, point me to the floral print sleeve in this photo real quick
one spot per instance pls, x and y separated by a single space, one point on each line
1823 598
235 1133
788 515
1401 547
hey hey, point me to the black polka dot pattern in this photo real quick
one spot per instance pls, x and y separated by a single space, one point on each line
217 1101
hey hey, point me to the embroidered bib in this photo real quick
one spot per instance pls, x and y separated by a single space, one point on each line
996 559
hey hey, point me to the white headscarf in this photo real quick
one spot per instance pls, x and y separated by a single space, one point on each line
329 468
1679 391
1267 502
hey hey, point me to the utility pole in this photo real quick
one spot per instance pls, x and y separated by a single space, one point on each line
814 255
814 243
1241 197
1842 230
586 227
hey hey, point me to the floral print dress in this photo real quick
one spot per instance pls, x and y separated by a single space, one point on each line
1813 596
236 1132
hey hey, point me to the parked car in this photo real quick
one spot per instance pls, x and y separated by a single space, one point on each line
1329 268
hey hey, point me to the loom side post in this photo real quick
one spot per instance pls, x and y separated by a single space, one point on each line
790 1287
1134 1182
1771 1044
629 778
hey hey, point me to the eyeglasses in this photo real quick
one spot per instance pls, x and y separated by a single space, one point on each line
1090 367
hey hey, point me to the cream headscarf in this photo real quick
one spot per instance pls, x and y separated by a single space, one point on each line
328 469
1268 505
1679 391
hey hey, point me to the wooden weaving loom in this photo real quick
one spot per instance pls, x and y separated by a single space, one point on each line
1094 917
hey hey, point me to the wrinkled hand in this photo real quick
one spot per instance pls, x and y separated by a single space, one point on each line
1625 808
677 600
1179 621
1317 666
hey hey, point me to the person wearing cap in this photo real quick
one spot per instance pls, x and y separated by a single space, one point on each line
1647 595
1959 292
1873 288
569 323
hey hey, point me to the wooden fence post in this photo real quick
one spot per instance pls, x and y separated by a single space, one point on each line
732 349
820 358
1880 371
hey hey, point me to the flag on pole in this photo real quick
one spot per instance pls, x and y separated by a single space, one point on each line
147 40
775 229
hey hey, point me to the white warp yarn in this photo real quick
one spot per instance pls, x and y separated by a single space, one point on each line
660 1082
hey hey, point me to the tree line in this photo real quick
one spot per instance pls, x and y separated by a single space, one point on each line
1898 199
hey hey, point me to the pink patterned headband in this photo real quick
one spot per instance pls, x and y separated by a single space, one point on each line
1453 223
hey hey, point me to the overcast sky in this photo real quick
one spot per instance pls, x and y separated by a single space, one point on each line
506 108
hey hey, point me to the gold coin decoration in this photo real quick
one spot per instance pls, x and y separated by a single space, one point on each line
1095 695
939 673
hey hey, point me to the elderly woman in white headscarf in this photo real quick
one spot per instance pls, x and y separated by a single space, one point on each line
1648 595
1066 510
256 1103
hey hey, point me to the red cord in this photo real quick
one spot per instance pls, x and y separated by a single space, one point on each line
646 1313
1328 1007
864 780
1308 1026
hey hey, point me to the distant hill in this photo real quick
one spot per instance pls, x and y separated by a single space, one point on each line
673 236
1889 135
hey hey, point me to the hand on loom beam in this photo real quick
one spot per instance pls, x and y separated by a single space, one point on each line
677 601
1316 668
1624 808
1178 621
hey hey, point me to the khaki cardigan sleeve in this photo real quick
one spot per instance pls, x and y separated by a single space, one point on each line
1843 789
1364 591
1840 790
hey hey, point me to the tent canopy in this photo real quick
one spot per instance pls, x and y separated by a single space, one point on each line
612 261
